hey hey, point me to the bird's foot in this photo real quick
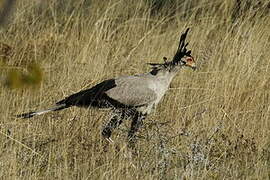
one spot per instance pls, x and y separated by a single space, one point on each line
109 140
106 133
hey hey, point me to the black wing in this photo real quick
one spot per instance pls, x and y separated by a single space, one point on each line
95 97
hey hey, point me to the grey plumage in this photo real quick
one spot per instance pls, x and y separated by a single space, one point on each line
133 90
128 96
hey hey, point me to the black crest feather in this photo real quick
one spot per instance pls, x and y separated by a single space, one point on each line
180 53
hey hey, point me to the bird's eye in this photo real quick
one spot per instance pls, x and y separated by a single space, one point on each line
189 59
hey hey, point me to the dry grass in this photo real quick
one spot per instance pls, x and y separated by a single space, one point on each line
212 124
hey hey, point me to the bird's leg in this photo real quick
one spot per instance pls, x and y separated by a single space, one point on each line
136 123
114 122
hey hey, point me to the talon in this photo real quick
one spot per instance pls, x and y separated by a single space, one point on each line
109 140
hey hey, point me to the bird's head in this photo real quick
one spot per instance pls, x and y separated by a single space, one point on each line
188 61
182 58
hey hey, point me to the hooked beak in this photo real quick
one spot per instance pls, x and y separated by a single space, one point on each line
192 65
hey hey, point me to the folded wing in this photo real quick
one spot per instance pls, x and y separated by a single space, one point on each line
128 91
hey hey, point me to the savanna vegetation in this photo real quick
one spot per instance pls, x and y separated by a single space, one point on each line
212 124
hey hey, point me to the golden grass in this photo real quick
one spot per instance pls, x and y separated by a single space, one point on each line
212 124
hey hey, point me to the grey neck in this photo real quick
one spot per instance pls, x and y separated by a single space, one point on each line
166 74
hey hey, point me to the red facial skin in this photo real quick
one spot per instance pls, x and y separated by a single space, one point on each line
190 62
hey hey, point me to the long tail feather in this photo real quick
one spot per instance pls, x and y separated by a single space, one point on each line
34 113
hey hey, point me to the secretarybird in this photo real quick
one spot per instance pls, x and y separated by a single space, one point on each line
130 97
